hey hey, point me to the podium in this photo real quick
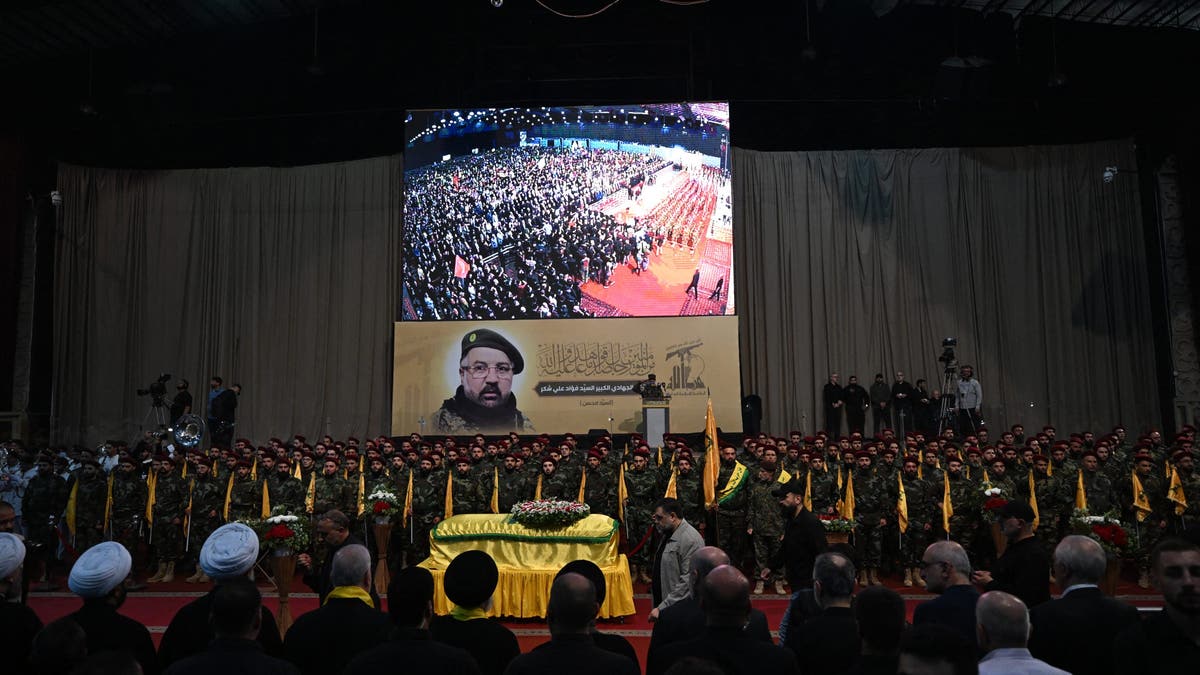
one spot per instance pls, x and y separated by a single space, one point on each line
657 414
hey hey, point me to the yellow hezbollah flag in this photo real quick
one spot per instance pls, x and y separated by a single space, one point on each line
151 484
947 504
808 490
1037 517
1080 493
1141 503
672 485
1175 494
622 491
296 471
407 500
495 503
583 483
228 495
712 457
266 500
901 506
71 502
449 506
362 484
108 503
310 497
784 477
537 492
848 500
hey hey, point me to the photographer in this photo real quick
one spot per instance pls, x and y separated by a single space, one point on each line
968 402
182 403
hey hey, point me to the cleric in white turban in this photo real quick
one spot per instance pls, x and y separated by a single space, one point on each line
20 624
99 570
230 551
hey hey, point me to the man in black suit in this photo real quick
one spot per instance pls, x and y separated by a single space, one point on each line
469 582
410 605
946 570
334 528
803 541
725 599
828 642
611 642
1167 641
570 613
685 620
1023 569
349 619
236 617
1066 631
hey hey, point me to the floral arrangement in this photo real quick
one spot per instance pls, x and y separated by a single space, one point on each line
282 530
385 505
548 514
1106 529
833 523
993 501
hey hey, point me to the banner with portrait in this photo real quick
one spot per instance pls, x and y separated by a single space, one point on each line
562 375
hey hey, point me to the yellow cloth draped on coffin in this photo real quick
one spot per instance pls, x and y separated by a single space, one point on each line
528 559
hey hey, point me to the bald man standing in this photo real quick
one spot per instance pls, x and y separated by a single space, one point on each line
1002 628
725 599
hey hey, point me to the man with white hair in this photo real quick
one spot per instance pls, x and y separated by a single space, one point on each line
20 623
946 570
1066 631
349 618
98 577
229 553
1002 629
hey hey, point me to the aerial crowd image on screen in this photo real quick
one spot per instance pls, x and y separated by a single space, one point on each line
567 212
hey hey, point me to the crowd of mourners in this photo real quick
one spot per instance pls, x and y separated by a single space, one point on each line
513 233
897 497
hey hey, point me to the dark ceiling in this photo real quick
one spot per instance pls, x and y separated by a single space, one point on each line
220 82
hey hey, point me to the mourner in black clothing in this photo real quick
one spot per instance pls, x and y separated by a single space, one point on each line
348 619
1066 631
571 649
236 616
334 528
1023 570
98 577
610 642
1168 641
828 642
833 397
410 605
469 583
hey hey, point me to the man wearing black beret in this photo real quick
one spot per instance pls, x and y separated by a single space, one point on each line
484 401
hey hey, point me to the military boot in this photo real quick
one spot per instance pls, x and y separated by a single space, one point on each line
644 576
862 577
873 577
758 587
204 578
158 576
908 577
195 578
1143 579
916 575
170 575
779 588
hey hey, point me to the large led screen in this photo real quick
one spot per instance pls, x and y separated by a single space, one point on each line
567 212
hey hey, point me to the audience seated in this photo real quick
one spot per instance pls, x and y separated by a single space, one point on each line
236 616
828 642
470 580
98 577
947 572
612 642
1002 627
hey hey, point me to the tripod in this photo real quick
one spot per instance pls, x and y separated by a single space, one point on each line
949 406
157 411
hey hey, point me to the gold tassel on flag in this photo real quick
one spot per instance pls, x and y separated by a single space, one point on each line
712 457
1080 493
228 495
310 497
808 490
1141 503
449 505
848 500
71 503
266 500
495 503
947 504
901 506
1037 517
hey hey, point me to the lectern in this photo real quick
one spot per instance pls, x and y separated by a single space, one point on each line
657 413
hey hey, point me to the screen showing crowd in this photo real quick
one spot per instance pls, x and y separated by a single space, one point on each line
567 212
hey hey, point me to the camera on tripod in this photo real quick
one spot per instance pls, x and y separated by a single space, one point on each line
948 356
157 390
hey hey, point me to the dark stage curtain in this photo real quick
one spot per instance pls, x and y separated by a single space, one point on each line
284 280
862 261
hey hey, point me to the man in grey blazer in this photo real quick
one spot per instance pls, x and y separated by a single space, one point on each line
677 541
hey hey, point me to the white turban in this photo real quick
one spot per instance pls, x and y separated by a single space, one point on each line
12 554
100 569
230 551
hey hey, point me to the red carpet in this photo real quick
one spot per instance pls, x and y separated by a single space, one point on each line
157 605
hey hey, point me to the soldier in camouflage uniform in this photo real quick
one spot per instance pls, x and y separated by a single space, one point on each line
1150 528
428 507
643 491
731 513
875 507
465 497
377 476
1098 488
598 491
552 483
331 492
920 500
245 497
965 501
129 494
824 496
207 497
44 500
286 490
689 491
170 504
91 495
764 525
